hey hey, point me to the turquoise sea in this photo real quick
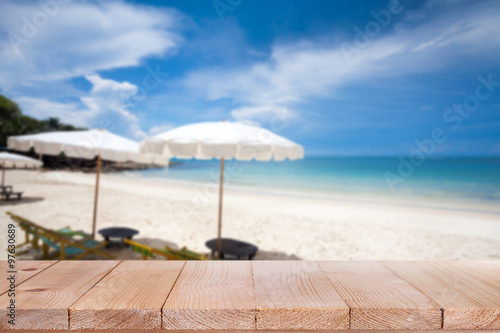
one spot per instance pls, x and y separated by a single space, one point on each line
457 177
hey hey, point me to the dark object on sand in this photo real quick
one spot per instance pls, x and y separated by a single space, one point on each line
117 232
232 247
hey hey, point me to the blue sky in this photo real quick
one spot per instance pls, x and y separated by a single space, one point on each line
338 77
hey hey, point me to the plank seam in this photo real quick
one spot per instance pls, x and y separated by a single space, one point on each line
441 308
254 297
166 299
338 292
350 316
17 285
69 307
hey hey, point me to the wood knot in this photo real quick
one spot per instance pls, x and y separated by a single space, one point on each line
29 269
36 290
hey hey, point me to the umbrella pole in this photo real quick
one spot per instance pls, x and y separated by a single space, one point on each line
3 174
98 172
219 240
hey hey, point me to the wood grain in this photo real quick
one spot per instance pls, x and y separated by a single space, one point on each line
268 331
242 295
42 302
129 297
379 299
296 295
467 302
212 295
486 271
25 269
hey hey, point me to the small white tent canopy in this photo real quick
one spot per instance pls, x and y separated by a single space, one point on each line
9 160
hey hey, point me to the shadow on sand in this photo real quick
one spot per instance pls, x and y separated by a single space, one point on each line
122 252
270 255
24 200
156 242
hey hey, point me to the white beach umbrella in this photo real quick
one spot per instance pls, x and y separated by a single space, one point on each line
91 144
9 160
222 140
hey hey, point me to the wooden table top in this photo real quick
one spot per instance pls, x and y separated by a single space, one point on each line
258 295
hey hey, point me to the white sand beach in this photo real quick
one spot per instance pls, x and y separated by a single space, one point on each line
283 227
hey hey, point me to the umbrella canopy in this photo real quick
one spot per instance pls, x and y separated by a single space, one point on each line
223 140
9 160
85 145
91 144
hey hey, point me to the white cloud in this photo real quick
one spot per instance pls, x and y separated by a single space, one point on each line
160 129
296 72
107 96
257 115
48 42
102 107
68 113
76 38
104 86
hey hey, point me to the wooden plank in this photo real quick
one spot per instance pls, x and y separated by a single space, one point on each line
488 271
467 302
24 269
130 297
266 331
379 299
42 302
212 295
219 295
296 295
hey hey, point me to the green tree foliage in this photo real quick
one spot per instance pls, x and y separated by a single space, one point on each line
13 122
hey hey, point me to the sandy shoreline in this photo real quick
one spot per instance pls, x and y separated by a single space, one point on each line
284 227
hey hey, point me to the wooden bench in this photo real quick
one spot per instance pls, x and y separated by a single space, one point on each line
8 194
5 188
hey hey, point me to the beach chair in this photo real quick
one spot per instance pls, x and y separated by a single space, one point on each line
64 241
169 253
